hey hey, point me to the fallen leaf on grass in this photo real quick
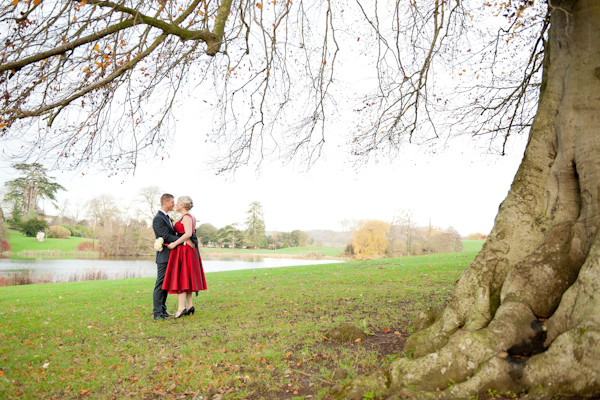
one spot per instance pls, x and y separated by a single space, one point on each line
288 354
357 340
396 333
158 389
84 392
170 389
386 330
299 363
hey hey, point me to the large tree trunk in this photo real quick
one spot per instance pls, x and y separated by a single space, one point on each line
526 314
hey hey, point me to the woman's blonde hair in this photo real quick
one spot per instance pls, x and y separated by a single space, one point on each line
186 201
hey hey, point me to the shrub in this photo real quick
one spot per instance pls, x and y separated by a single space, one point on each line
4 246
85 246
72 230
84 231
32 226
21 278
349 249
78 230
59 232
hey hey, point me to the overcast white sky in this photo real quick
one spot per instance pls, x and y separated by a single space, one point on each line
460 187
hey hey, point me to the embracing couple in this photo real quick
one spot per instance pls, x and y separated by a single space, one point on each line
179 267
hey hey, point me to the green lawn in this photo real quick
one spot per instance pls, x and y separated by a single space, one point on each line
20 242
256 333
473 245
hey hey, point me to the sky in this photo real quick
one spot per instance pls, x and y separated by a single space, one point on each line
460 187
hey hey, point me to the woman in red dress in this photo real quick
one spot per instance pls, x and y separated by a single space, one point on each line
184 273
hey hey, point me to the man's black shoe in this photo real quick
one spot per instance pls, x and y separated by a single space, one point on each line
166 314
161 317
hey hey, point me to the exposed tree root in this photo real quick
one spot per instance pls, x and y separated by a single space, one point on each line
516 351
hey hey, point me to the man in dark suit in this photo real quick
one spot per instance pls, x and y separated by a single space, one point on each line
163 227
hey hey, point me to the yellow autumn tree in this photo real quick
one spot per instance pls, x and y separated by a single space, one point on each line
370 239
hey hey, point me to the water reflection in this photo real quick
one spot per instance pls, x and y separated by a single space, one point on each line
61 270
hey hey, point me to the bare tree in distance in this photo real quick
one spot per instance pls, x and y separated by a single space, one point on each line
348 226
78 210
101 210
405 221
64 210
149 197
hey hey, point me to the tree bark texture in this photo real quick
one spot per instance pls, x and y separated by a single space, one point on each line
525 316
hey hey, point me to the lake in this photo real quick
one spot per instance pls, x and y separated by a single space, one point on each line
62 269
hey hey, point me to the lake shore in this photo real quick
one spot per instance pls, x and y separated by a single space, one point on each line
57 254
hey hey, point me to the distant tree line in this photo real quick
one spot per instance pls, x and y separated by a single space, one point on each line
251 235
231 236
115 228
401 237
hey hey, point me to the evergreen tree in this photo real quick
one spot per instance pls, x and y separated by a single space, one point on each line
26 190
255 225
231 236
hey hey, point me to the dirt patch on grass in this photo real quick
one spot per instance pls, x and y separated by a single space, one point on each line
303 373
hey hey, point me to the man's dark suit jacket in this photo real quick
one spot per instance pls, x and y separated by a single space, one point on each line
162 228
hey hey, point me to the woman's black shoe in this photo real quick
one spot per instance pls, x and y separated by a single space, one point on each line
182 314
191 311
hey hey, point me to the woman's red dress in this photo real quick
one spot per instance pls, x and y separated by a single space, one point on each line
184 270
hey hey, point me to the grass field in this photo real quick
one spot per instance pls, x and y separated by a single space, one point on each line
256 333
473 245
20 242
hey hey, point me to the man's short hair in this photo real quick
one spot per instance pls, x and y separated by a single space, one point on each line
166 197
